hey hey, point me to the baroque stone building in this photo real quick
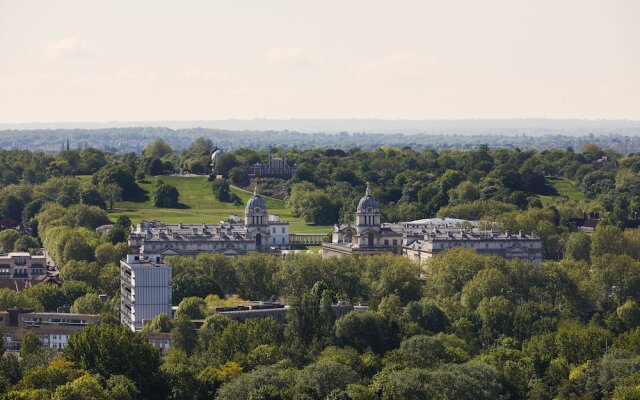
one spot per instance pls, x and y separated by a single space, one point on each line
421 240
490 243
259 231
276 167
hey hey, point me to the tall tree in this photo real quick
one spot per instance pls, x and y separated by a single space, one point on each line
114 350
184 336
578 246
158 148
166 196
112 192
30 344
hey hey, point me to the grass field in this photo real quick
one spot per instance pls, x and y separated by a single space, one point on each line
199 205
565 188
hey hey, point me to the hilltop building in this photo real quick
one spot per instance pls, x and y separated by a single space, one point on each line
276 167
423 239
214 157
259 231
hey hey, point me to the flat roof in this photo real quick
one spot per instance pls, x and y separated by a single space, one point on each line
21 254
145 264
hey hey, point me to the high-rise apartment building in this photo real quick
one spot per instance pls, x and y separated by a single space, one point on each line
145 289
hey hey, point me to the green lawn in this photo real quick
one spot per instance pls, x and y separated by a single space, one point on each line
315 249
199 205
565 188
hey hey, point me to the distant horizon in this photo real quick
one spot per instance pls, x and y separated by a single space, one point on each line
467 126
321 119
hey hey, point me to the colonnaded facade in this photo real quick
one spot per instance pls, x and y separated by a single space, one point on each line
421 240
258 232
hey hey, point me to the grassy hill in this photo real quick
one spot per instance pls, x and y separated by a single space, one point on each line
199 205
565 188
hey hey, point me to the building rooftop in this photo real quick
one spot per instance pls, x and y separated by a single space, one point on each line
446 221
475 234
472 236
144 260
21 254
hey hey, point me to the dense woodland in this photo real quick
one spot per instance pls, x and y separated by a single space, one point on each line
463 326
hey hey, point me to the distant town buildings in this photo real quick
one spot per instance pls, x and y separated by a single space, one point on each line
145 289
259 231
423 239
603 162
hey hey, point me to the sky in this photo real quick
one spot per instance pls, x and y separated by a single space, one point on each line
155 60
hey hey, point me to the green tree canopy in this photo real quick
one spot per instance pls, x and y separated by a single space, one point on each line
158 148
364 331
192 308
166 196
8 239
114 350
90 303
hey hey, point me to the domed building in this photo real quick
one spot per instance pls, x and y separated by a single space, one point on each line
368 212
258 232
422 239
367 236
214 157
256 220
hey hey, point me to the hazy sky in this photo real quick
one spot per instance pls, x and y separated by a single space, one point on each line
181 60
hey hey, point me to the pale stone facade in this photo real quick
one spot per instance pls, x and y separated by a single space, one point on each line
490 243
259 232
276 167
421 240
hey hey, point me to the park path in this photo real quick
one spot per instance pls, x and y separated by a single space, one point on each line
171 210
250 192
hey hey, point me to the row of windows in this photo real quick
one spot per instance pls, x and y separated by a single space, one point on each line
471 244
55 337
21 271
38 320
185 247
370 220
